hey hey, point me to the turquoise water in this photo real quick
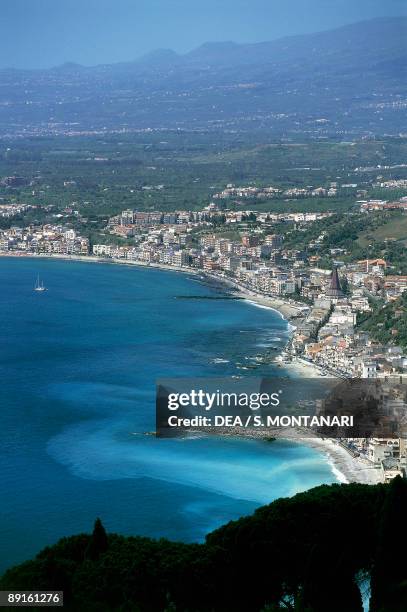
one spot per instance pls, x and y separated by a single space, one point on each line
78 367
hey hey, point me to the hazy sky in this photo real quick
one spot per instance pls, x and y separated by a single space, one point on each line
43 33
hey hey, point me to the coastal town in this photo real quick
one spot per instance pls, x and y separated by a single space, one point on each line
242 249
246 252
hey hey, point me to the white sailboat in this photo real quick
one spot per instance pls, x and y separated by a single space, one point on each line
39 285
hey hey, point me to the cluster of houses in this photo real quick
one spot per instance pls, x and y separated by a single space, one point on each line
187 238
266 193
12 210
132 220
13 181
328 336
389 455
392 184
43 240
376 205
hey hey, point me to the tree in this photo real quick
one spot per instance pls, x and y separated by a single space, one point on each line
98 542
388 584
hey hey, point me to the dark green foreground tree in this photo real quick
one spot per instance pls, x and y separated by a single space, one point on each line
301 554
389 573
98 543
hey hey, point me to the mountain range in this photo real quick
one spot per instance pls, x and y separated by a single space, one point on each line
349 81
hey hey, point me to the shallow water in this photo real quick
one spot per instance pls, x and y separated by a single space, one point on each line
78 367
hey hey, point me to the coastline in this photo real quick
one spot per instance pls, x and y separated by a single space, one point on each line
345 467
285 309
96 259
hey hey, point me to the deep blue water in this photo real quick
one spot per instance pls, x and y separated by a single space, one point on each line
78 367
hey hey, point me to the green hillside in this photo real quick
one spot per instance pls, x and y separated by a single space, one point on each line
388 324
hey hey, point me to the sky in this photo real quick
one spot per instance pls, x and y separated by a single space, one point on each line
45 33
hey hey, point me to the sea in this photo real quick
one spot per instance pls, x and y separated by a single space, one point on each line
78 368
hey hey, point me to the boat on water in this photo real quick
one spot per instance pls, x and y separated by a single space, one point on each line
39 285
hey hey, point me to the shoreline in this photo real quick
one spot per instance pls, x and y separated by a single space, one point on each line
282 307
287 310
345 467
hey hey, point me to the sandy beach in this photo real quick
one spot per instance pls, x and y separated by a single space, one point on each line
302 369
287 309
345 467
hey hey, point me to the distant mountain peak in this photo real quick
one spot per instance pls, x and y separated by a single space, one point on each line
69 67
209 51
159 56
215 46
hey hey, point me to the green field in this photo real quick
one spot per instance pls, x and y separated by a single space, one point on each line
167 170
394 229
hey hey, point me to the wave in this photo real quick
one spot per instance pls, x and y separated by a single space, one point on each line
265 307
340 476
